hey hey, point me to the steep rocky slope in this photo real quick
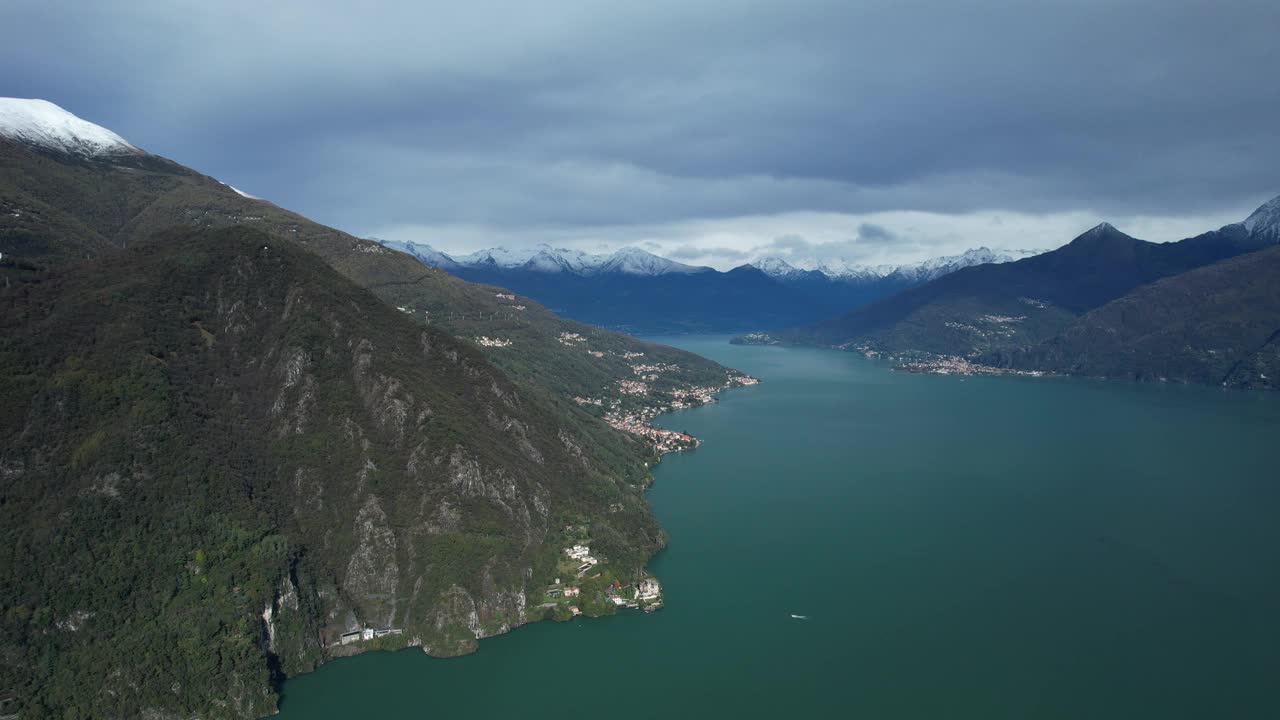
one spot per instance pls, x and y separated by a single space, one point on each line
217 455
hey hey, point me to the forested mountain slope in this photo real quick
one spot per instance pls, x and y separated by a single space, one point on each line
1218 324
218 454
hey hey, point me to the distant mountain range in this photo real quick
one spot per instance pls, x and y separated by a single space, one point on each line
638 291
1105 304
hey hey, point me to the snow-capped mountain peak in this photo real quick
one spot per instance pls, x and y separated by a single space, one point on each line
634 261
1265 220
553 259
498 257
425 254
41 123
776 267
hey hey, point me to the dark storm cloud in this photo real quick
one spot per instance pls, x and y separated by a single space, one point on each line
873 233
579 114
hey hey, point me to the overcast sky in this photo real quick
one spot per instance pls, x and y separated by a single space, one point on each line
709 131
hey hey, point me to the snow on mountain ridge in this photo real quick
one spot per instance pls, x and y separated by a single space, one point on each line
841 269
634 261
939 266
40 122
545 258
424 253
1266 219
775 267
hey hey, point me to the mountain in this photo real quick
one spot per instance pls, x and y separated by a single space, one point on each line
638 291
1042 313
232 436
424 253
58 206
45 125
1219 325
989 308
634 261
253 455
1264 223
544 258
935 268
835 287
837 270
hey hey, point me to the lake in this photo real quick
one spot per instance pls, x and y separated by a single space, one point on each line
958 548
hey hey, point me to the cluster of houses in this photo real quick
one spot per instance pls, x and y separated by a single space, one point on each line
582 553
571 339
646 594
486 341
637 423
651 371
632 387
648 591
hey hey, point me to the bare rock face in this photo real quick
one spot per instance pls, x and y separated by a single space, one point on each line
372 574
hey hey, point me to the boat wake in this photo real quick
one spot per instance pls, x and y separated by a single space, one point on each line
799 617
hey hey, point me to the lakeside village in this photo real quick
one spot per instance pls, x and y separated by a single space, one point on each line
928 364
633 420
593 590
637 420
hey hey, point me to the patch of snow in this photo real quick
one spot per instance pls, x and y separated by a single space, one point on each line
242 193
40 122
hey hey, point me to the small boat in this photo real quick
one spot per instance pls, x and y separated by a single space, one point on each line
799 617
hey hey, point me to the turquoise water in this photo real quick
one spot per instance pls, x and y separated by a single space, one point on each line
962 548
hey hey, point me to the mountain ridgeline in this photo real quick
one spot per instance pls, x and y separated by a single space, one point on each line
1218 324
1105 304
232 437
637 291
